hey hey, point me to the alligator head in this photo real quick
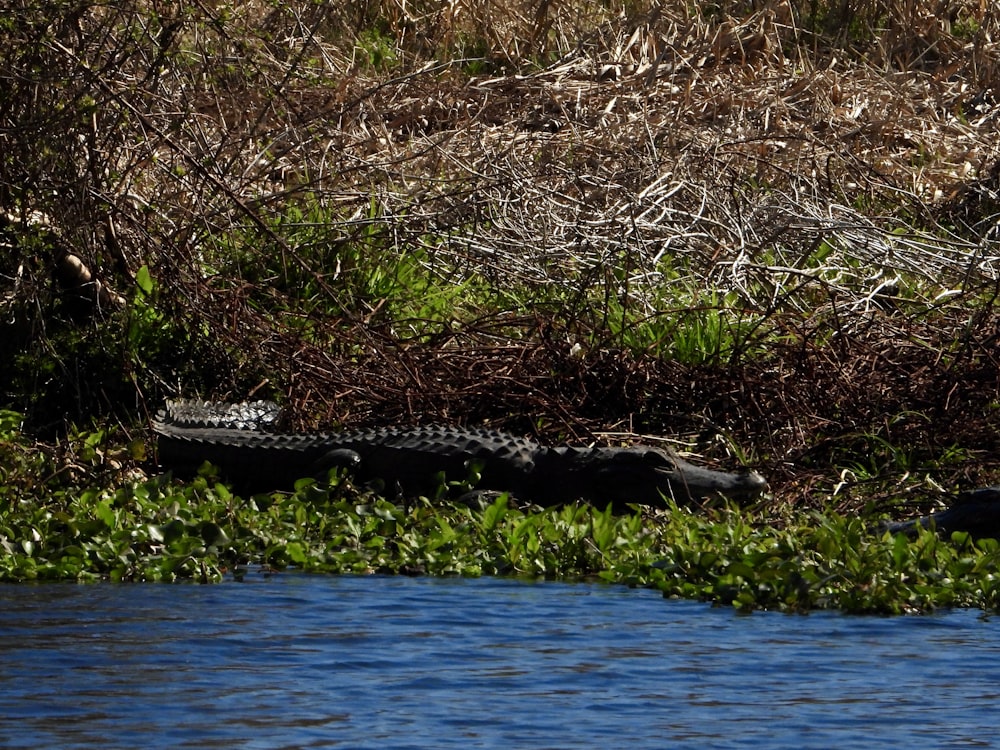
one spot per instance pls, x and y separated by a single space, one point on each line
646 475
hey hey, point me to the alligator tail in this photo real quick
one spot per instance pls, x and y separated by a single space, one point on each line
256 415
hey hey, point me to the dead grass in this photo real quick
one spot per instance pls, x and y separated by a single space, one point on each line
827 173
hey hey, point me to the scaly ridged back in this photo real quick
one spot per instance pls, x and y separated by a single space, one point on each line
236 425
253 415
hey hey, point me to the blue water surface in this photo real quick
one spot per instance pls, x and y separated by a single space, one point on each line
296 661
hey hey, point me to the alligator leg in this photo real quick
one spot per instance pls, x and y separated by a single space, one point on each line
339 458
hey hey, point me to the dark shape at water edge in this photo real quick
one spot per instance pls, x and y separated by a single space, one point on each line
414 458
974 511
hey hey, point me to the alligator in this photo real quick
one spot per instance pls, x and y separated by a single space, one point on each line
412 461
974 511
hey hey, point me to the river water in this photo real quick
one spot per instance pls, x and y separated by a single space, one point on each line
296 661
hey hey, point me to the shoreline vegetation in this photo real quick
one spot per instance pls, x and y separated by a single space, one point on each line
766 231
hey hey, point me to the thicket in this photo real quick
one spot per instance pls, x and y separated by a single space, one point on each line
768 229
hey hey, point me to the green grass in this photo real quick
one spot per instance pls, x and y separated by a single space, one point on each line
318 264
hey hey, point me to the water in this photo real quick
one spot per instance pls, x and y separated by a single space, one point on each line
296 661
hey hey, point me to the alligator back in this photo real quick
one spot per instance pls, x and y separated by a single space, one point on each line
414 459
251 461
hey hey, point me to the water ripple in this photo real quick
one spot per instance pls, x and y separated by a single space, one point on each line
301 662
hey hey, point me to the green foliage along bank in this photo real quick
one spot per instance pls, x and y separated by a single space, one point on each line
54 527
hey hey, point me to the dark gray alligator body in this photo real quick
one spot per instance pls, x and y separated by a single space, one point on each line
412 459
975 511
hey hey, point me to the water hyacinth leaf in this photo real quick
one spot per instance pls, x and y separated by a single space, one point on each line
105 513
304 483
988 545
213 535
742 570
961 539
495 513
385 512
296 553
900 550
173 531
707 560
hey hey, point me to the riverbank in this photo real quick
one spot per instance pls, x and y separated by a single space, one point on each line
764 235
58 526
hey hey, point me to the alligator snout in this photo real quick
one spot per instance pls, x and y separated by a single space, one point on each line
649 476
701 483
